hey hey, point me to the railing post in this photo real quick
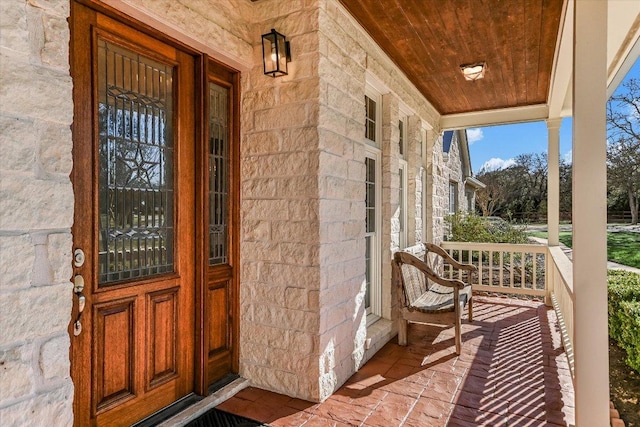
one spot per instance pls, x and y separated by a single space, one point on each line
549 279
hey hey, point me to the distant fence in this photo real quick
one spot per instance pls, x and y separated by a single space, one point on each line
623 216
541 217
536 217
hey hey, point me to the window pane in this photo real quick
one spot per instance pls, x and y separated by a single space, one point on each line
453 197
136 188
401 199
218 174
370 119
368 272
401 143
370 202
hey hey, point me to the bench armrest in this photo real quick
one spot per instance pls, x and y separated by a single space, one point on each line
406 258
447 258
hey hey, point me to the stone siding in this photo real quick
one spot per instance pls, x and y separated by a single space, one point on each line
280 249
453 164
224 31
437 188
36 213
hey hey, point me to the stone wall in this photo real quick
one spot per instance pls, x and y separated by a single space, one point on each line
225 31
36 213
453 165
437 188
280 249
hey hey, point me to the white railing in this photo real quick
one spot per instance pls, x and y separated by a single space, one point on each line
534 270
561 280
504 268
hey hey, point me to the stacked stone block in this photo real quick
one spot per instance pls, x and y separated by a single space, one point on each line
223 31
36 213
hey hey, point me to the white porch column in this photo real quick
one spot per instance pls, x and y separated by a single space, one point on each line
553 181
589 213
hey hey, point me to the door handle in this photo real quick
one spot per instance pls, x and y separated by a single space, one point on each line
78 284
78 287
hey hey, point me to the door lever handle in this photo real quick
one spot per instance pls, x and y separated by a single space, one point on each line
81 303
78 283
78 287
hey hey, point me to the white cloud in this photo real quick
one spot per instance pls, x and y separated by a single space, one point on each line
474 135
497 163
568 157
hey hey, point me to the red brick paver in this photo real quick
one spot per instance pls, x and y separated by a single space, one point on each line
512 372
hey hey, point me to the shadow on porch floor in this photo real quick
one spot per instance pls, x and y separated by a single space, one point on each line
512 372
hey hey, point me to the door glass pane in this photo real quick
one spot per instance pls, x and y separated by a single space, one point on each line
218 174
136 176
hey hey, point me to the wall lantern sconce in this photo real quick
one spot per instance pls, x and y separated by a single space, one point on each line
275 54
473 72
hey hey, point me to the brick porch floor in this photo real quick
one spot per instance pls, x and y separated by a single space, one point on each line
512 372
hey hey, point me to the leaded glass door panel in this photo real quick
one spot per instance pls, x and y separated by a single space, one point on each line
218 187
134 178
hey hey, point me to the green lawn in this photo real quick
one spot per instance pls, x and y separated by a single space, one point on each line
622 247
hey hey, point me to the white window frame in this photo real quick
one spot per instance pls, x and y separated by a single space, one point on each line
374 311
373 151
402 135
469 195
403 154
402 203
453 185
424 134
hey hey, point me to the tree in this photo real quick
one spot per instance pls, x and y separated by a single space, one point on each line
518 191
492 196
623 145
565 189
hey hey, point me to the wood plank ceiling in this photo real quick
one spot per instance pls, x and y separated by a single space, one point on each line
430 39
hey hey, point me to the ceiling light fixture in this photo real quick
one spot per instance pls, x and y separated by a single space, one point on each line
473 72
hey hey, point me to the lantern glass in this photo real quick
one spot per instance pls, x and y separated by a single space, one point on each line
274 54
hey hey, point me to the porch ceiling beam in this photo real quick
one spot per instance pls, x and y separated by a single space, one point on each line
562 64
623 41
528 113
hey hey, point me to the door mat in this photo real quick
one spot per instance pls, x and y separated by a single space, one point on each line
217 418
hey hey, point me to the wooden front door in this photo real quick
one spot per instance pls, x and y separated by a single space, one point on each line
134 177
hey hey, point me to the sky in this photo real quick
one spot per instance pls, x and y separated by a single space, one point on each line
497 146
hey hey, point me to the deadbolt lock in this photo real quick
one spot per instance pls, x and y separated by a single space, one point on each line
78 257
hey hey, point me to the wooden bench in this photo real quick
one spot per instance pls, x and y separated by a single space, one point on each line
427 297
